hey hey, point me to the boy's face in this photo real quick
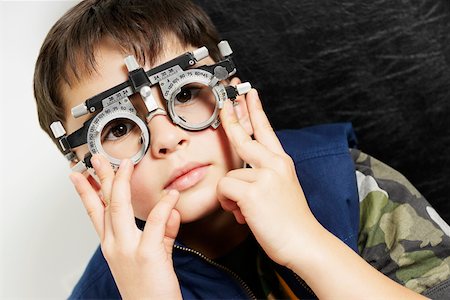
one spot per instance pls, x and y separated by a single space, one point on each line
191 162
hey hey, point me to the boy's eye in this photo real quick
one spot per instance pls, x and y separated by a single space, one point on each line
117 130
186 94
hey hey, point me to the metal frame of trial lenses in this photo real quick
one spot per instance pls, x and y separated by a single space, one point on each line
171 86
116 110
171 71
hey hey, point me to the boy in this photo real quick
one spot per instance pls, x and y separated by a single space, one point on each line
196 178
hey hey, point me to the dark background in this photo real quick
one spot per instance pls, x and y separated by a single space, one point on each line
383 65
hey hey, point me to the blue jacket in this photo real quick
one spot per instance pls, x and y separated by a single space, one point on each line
327 175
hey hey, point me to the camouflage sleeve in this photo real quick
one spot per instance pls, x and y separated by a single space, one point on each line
400 234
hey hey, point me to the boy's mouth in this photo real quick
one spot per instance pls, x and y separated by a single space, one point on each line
187 176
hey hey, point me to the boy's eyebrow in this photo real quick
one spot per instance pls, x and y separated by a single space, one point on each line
127 87
139 81
152 76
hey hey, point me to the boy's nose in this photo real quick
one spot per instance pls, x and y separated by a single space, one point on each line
166 137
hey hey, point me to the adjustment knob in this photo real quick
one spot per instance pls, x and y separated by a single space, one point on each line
243 88
200 53
224 48
57 129
131 63
79 110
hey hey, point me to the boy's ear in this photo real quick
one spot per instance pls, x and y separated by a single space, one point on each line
241 110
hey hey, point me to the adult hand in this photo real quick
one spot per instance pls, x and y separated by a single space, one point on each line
140 261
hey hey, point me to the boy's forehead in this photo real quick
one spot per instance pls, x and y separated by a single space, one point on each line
82 66
109 59
110 70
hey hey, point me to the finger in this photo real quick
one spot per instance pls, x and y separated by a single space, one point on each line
105 174
245 174
173 224
172 227
239 216
227 204
120 208
155 227
231 189
235 81
263 131
240 107
92 203
249 150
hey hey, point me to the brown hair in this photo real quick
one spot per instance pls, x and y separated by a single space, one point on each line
137 26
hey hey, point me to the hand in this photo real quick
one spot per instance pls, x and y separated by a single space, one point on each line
268 197
140 261
270 200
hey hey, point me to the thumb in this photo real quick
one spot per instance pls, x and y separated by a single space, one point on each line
173 224
162 216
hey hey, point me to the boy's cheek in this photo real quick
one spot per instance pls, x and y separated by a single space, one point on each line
144 195
142 206
231 158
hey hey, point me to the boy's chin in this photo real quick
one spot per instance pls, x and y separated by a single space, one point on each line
197 205
191 217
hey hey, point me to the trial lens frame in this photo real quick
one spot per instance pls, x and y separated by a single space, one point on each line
140 82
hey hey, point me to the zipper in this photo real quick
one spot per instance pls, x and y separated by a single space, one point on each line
242 283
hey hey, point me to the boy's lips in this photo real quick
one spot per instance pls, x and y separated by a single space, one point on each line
187 176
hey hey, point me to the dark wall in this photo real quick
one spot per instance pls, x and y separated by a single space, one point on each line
383 65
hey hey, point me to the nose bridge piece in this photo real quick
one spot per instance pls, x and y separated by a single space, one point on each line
154 113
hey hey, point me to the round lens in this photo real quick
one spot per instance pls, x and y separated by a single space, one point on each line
195 103
121 138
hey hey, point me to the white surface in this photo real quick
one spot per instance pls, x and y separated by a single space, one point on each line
46 236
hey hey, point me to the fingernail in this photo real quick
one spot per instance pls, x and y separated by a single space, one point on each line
172 192
95 162
124 163
73 178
